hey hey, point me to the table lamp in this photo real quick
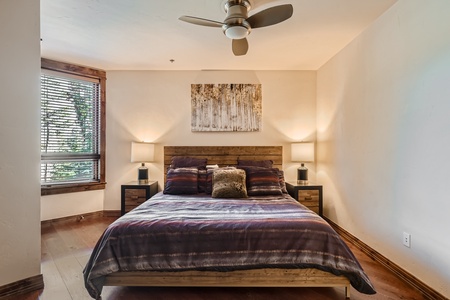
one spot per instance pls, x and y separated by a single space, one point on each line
302 152
142 153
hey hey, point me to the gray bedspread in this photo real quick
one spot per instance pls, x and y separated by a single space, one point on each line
179 233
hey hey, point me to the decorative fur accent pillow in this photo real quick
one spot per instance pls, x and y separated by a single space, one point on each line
209 178
229 184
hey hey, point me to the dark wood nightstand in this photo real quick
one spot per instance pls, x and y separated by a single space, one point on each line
134 194
310 195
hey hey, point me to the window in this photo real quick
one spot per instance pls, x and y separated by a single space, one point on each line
72 128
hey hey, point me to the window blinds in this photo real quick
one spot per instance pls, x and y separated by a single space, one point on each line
70 112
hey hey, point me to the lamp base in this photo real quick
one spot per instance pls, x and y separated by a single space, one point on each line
302 174
143 174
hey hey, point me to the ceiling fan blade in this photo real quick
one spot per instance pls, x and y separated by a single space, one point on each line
240 47
271 16
200 21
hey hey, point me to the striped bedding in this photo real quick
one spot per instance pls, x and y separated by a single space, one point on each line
197 232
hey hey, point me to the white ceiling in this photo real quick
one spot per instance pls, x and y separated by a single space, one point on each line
146 34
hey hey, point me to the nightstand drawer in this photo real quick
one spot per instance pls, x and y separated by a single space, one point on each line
134 194
134 201
308 196
134 197
310 199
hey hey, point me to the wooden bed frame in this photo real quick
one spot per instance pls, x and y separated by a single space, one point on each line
228 156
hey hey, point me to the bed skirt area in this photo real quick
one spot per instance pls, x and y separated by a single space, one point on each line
267 277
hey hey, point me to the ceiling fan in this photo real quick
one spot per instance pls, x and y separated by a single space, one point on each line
237 25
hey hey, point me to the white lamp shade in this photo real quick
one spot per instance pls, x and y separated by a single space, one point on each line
302 152
142 152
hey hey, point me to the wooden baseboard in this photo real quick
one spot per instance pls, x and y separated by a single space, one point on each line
427 291
21 287
81 217
111 213
75 218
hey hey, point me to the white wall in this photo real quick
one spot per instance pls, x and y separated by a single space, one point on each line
155 106
71 204
383 123
20 246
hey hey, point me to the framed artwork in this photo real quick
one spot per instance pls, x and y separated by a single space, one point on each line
226 107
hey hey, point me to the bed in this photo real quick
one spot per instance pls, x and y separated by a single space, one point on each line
215 237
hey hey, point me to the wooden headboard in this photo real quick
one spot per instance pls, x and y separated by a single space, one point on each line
225 155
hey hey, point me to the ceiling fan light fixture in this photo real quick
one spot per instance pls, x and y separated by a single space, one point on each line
236 32
237 25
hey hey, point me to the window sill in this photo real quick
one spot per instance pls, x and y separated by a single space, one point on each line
72 188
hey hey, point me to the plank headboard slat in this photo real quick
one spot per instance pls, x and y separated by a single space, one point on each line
225 155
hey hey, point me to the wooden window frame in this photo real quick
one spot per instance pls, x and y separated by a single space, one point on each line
67 68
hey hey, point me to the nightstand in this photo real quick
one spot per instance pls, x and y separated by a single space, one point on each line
310 195
134 194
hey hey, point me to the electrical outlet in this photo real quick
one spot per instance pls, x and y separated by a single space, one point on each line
407 239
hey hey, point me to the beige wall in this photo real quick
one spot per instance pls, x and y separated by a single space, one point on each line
72 204
383 138
155 106
20 247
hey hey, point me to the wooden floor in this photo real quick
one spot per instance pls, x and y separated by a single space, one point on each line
66 247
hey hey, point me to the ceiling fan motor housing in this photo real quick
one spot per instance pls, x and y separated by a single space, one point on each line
235 26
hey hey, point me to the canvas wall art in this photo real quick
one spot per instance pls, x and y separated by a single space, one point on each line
226 107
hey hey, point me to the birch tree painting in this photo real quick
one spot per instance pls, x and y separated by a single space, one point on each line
226 107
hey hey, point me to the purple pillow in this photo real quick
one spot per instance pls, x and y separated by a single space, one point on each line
256 163
282 181
262 181
202 180
188 162
181 181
